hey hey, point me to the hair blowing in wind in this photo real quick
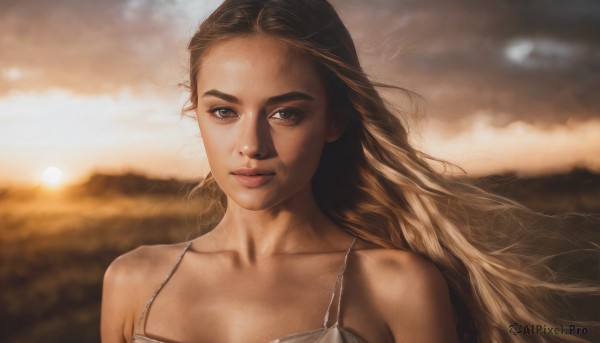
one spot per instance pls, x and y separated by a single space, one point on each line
378 187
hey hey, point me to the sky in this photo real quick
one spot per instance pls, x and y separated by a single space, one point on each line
91 86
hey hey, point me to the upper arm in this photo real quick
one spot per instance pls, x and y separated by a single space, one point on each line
122 286
114 304
415 300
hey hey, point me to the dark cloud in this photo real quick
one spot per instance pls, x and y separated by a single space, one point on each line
536 61
531 60
84 46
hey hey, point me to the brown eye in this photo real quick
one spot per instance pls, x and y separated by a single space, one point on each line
221 112
287 114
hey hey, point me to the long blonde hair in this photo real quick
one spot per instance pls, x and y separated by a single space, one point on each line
373 183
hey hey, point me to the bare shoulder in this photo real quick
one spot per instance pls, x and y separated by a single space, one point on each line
401 269
129 282
137 266
410 292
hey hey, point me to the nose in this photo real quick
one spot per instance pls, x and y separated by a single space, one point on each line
254 139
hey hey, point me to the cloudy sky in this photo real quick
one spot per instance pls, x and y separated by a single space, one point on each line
506 85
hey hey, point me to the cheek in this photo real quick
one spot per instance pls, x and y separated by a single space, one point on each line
215 145
301 152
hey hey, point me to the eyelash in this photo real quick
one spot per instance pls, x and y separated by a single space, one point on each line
212 112
295 113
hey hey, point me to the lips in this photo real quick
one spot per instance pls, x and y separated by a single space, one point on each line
253 177
252 172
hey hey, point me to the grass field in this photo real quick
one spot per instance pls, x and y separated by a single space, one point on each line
56 245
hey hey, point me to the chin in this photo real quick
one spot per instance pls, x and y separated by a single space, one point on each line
263 198
252 202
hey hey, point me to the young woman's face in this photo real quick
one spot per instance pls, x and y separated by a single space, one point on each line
263 118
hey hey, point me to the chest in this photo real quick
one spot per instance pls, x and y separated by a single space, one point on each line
221 305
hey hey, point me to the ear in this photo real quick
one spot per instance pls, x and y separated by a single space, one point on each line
335 129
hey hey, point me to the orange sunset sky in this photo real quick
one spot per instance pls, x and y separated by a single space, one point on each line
90 85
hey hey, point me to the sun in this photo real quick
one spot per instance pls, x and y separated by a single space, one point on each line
52 177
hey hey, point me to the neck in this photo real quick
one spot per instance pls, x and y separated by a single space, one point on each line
297 225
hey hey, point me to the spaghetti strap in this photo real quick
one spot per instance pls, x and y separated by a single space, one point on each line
141 323
333 334
339 281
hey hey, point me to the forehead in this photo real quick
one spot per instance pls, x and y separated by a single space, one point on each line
257 63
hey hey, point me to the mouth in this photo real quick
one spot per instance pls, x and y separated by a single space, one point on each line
257 174
252 172
253 179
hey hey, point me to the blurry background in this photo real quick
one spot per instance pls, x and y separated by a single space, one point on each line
95 158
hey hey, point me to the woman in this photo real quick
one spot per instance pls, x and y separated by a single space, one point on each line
335 228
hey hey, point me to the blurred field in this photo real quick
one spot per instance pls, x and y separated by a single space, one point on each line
55 245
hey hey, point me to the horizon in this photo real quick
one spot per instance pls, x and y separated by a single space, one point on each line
41 185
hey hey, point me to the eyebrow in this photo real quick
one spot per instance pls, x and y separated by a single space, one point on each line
290 96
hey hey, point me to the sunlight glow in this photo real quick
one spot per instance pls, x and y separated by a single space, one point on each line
52 177
84 132
519 146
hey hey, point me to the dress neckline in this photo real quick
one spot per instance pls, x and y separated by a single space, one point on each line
139 335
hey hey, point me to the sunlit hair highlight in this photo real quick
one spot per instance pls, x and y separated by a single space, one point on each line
373 183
